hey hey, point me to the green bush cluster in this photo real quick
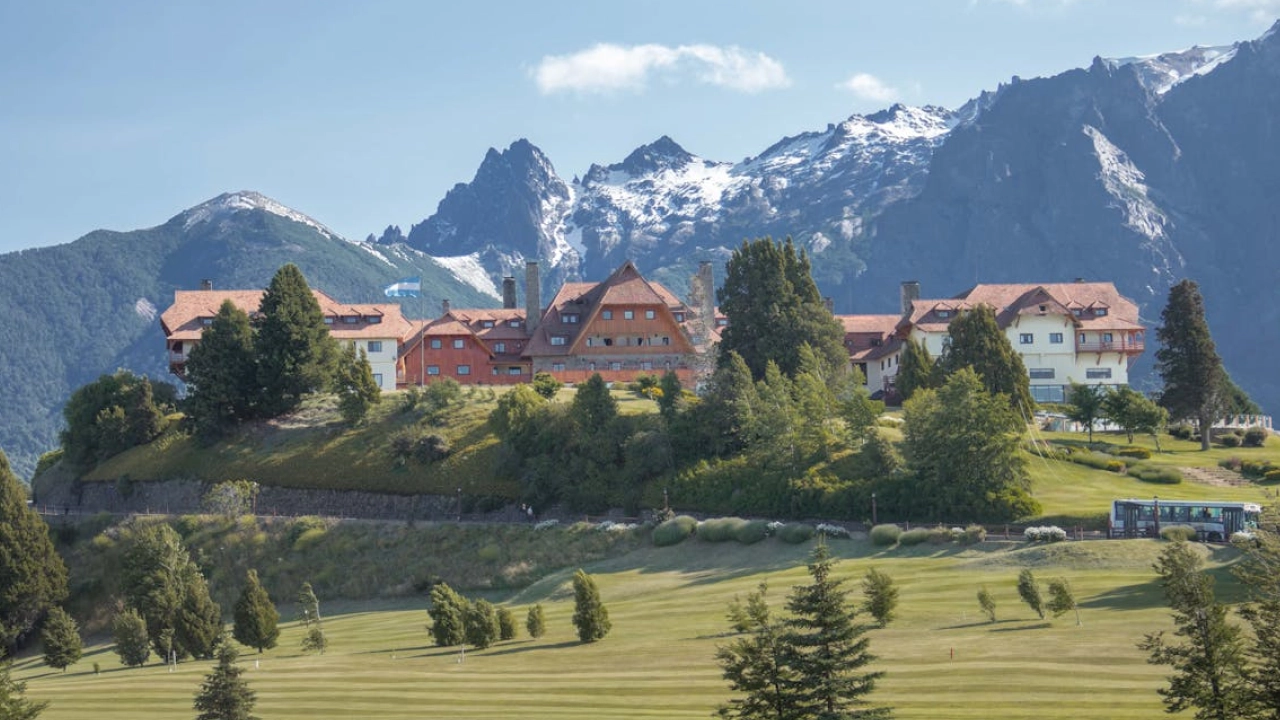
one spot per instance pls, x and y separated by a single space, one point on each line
795 533
422 448
1230 440
751 532
674 531
1255 437
1256 469
1156 474
1177 532
914 536
1181 431
719 529
972 535
885 535
1271 476
1131 451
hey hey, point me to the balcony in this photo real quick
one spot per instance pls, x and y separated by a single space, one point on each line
1124 345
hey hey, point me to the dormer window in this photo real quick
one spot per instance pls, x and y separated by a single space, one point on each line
350 319
486 323
722 322
500 347
679 317
513 323
570 318
944 314
328 319
560 340
1099 312
206 321
374 319
1078 312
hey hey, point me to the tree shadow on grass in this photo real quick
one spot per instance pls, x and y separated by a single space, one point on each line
532 648
1036 626
978 623
396 650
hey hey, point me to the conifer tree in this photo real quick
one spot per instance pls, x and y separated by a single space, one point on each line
129 632
758 665
225 694
880 596
535 622
61 639
1210 664
199 621
590 616
448 613
294 349
728 407
480 623
1188 361
222 373
977 341
309 604
256 617
916 369
353 382
1260 573
33 578
13 703
1029 591
157 576
593 406
669 401
506 624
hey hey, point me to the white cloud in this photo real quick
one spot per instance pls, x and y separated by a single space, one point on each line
869 87
1262 11
606 67
1190 20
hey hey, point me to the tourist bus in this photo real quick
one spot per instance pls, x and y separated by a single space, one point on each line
1213 521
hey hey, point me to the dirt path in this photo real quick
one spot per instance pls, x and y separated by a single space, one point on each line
1217 477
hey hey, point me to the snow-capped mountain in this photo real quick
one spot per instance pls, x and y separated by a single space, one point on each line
1161 72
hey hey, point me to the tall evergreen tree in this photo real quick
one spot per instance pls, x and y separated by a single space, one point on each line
774 308
61 639
1260 573
728 407
977 341
166 588
1209 666
916 369
222 373
757 665
480 624
309 604
593 405
13 703
129 633
33 578
536 622
1029 591
225 694
669 401
199 621
353 382
590 616
256 617
448 616
1188 362
295 351
1085 405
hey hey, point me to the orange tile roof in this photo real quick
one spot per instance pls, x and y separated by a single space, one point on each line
1012 300
868 323
183 319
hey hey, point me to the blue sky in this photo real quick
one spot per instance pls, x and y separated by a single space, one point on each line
121 114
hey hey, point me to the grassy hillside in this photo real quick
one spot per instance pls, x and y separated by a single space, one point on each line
668 609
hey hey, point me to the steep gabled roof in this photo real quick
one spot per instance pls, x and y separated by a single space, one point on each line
183 319
1089 305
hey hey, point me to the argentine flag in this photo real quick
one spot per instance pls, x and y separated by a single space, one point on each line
408 287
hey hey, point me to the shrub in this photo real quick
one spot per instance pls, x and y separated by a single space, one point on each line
1231 463
643 384
973 534
1253 437
885 535
1115 466
914 536
1045 533
422 448
1140 453
1182 432
939 536
795 533
546 384
833 531
751 532
1271 476
718 529
1255 468
302 526
1244 539
674 531
1177 532
1156 474
1229 440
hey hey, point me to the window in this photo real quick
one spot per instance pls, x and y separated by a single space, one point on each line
1106 337
1055 338
591 342
648 315
1077 312
433 369
377 379
679 317
615 366
1083 338
628 315
486 323
374 319
457 343
570 318
1099 311
646 365
500 347
1041 373
435 343
560 340
608 342
464 369
557 367
606 314
350 319
1026 338
514 370
944 313
1048 393
666 340
328 320
722 322
494 370
375 346
1098 373
206 321
513 323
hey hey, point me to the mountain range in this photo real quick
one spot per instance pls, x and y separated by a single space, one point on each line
1136 170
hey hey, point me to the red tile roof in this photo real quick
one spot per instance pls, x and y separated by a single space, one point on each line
183 319
1011 300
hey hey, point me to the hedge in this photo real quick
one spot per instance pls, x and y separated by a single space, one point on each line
914 536
1156 474
1177 532
674 531
795 533
885 535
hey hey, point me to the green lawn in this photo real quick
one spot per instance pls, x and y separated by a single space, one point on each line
943 660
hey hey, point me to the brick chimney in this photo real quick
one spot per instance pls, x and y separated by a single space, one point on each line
910 292
508 293
532 296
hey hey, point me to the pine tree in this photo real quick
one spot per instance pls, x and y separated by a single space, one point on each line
1085 405
916 369
590 616
309 604
728 407
353 382
480 623
669 401
987 603
295 351
60 637
33 578
977 341
506 624
1029 591
221 374
13 704
256 617
758 665
1260 573
1188 361
881 596
129 632
535 622
225 694
774 308
199 620
1210 665
593 406
448 613
154 576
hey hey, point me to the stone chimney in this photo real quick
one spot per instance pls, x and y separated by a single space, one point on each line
444 307
532 296
830 303
708 298
508 293
910 292
206 284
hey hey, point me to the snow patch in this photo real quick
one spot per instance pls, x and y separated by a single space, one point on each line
467 268
231 203
1164 71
